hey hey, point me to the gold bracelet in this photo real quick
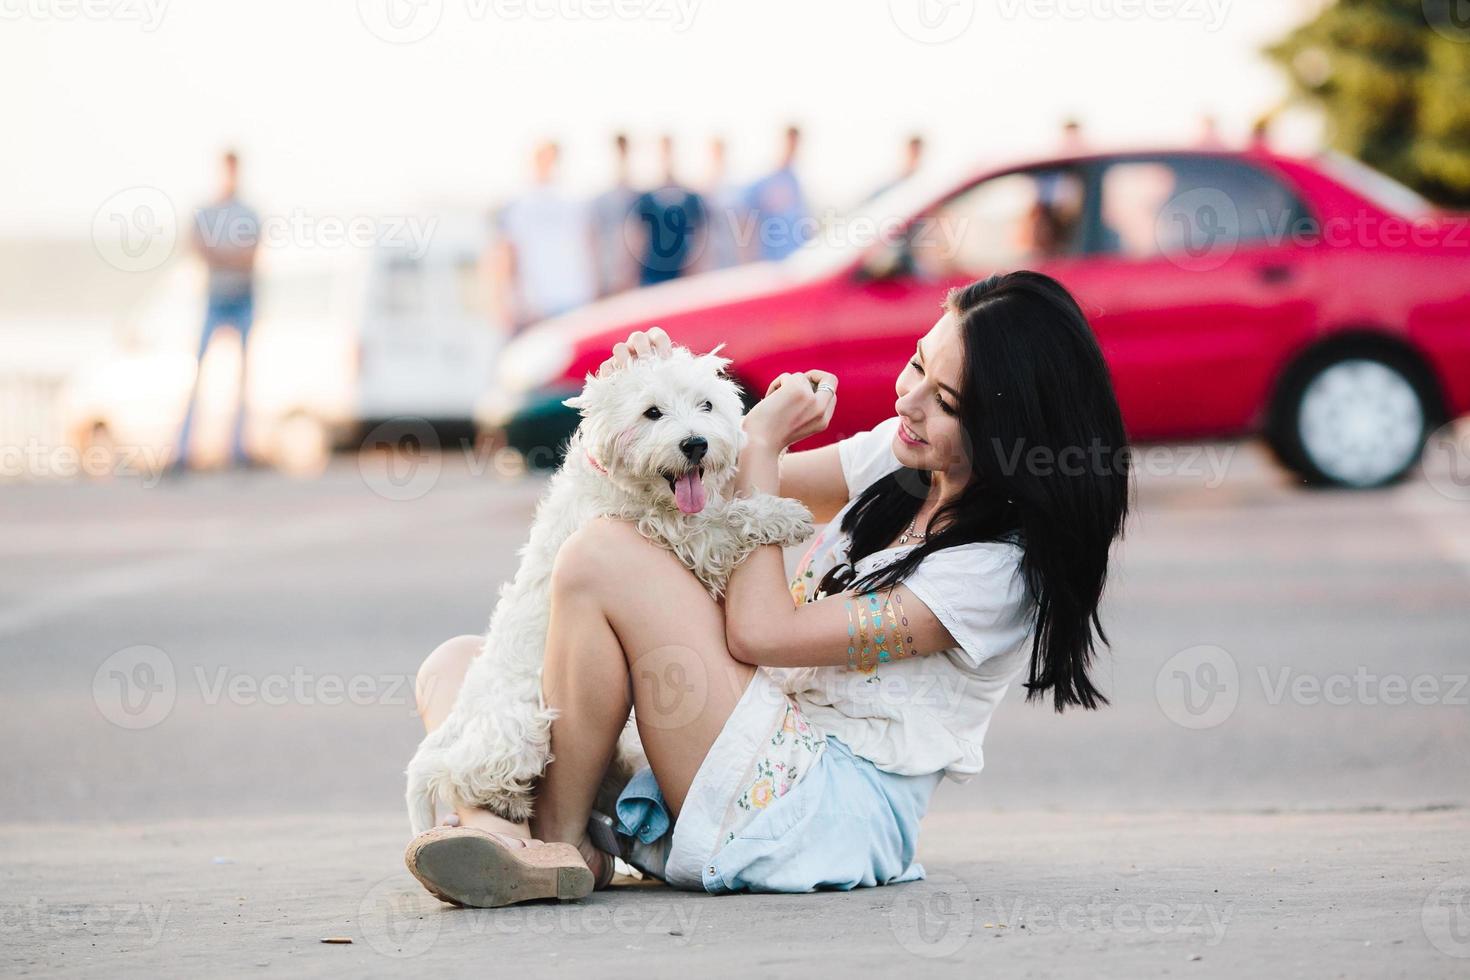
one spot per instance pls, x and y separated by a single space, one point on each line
851 635
905 634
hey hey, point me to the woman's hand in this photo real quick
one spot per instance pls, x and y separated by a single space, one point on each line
795 406
653 343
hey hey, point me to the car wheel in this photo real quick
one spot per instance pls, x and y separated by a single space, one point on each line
1355 420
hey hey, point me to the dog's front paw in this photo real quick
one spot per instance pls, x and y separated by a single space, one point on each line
767 519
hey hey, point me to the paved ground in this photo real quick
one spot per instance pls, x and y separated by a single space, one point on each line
207 706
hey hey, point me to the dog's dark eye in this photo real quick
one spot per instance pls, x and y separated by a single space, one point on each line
707 407
653 413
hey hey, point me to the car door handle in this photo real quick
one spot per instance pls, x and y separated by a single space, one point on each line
1275 274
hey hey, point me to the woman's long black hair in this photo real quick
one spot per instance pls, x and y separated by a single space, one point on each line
1049 471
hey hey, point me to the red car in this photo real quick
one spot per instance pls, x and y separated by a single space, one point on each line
1314 302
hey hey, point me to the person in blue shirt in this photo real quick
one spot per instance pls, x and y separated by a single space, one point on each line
226 236
781 220
670 220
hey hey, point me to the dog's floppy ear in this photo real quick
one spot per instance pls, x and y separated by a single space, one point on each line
580 401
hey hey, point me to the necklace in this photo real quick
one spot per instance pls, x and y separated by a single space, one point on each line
912 534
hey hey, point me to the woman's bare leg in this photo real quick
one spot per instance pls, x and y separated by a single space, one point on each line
629 624
437 685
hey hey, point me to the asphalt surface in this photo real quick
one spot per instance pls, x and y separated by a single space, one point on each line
207 705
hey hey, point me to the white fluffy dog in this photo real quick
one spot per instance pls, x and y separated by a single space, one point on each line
657 446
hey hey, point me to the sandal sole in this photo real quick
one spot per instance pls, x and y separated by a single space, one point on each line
474 870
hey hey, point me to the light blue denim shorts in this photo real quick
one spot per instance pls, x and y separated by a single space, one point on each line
846 824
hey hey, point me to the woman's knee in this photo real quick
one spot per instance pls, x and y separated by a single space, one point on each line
441 674
593 555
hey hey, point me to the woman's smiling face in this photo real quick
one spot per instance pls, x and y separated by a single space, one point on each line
930 436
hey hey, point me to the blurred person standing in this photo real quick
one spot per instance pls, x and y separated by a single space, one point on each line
1209 133
913 159
671 220
617 267
725 200
543 262
1072 143
778 206
1260 139
1056 191
226 235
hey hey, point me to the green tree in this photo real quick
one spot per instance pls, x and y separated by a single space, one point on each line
1393 79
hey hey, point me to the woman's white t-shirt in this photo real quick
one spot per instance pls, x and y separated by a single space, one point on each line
923 714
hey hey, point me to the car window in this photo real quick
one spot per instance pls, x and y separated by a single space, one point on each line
1190 205
1005 222
1377 187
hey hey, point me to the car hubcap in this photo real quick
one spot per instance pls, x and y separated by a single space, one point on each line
1361 422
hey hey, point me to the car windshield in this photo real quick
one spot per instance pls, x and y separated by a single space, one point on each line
878 220
1377 187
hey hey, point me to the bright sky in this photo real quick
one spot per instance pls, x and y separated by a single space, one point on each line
102 95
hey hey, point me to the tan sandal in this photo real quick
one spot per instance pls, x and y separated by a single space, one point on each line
466 866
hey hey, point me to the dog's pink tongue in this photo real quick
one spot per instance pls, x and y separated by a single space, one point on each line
689 492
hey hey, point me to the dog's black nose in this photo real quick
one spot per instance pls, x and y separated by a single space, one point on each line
694 448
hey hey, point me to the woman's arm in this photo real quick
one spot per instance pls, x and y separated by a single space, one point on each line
764 628
762 625
815 478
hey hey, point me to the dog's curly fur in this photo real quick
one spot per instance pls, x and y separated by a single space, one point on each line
621 464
